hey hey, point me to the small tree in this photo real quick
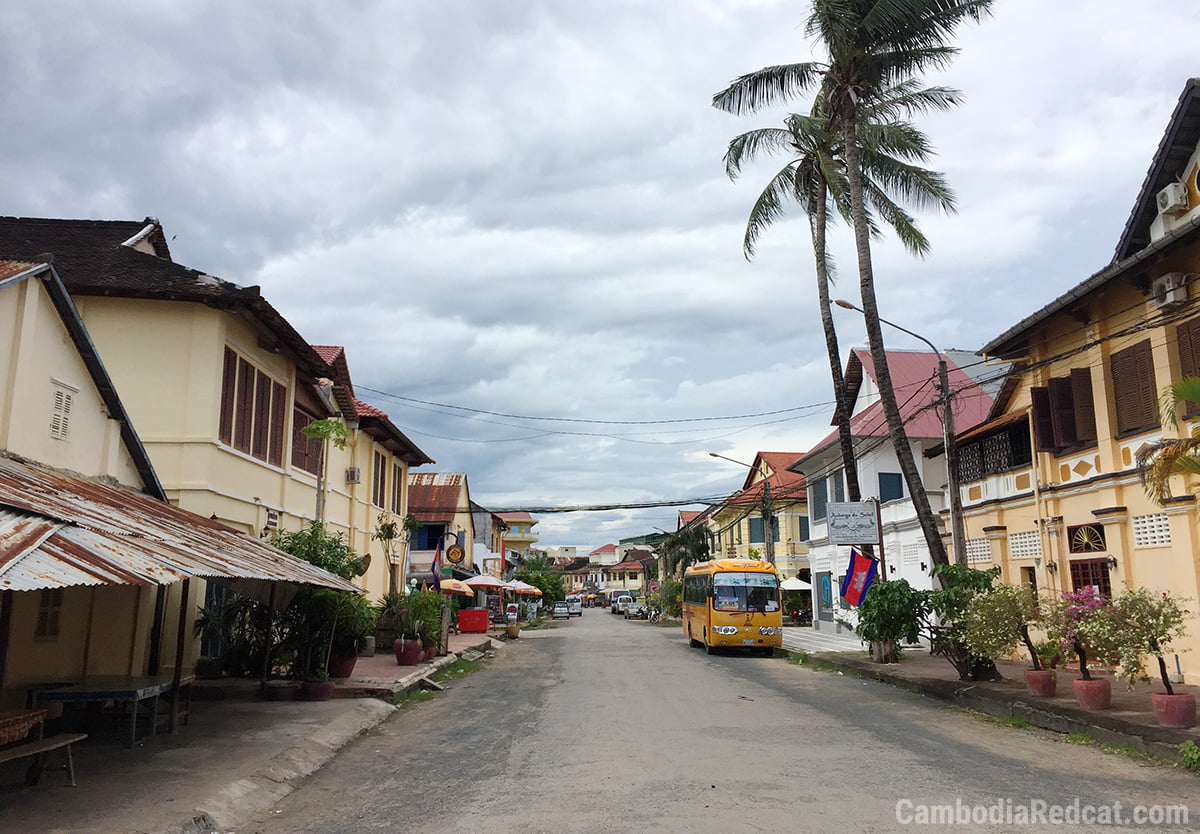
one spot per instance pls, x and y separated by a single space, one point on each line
1142 624
891 612
1079 622
948 608
996 621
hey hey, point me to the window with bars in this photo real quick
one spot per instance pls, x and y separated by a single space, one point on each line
306 451
60 411
1025 545
1151 530
978 550
379 480
1134 392
1064 413
1091 573
995 453
252 410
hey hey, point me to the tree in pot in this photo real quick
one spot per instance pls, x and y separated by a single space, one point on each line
427 613
355 620
397 609
891 612
997 621
1079 622
1143 623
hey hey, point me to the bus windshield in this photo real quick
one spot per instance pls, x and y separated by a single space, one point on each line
745 592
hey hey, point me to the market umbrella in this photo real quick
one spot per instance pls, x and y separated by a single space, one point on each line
522 587
457 586
795 584
485 580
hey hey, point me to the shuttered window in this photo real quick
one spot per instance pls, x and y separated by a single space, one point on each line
818 497
1187 336
306 451
1134 388
397 487
252 410
1064 413
379 480
60 411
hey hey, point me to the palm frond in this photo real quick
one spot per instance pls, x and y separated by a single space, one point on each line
1159 461
769 207
767 86
747 146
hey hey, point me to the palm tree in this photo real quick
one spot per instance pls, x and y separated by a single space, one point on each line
873 45
1159 461
816 174
684 547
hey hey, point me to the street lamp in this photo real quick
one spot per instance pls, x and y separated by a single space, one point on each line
768 513
957 531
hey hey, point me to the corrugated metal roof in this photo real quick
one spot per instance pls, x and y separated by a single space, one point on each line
434 496
58 531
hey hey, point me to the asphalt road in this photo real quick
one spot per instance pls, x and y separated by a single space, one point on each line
604 725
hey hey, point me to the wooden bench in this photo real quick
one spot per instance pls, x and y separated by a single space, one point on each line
38 748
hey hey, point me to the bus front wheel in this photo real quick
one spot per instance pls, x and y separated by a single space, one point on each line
692 641
709 648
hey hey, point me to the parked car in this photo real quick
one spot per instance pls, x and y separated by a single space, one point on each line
560 609
575 606
636 611
620 602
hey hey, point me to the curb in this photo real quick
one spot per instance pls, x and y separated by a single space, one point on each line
243 799
1161 742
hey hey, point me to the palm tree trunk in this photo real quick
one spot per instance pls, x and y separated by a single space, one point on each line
841 408
887 395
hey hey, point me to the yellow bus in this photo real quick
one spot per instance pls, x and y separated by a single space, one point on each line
733 603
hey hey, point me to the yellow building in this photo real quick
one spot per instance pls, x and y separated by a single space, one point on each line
96 568
220 386
737 525
520 535
1050 486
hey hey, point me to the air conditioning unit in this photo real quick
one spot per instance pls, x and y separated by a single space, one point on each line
353 475
1170 290
1172 199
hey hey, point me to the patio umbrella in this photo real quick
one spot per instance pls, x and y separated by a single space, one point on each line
522 587
457 586
795 584
486 581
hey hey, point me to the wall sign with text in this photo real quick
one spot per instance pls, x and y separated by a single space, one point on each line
853 522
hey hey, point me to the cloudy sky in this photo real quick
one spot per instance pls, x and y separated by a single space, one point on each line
512 210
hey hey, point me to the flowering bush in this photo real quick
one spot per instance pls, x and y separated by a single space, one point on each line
1144 623
996 621
1080 622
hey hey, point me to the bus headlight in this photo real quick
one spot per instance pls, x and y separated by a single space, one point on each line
725 629
770 630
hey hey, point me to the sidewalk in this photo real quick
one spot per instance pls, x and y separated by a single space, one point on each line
236 757
1130 722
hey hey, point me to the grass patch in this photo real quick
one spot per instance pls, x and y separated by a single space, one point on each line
1079 738
802 658
457 669
1129 752
414 696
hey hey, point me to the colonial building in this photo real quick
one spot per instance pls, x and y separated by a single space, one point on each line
1051 488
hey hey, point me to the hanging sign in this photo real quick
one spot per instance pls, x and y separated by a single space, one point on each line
455 553
852 522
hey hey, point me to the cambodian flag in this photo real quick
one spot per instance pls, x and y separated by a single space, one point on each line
860 573
436 566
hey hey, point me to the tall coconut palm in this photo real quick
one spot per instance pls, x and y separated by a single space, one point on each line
1160 461
816 175
873 45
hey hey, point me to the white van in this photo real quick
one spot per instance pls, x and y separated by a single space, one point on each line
621 602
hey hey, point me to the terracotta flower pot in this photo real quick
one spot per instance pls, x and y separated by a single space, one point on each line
1042 683
341 667
408 651
1177 710
1093 694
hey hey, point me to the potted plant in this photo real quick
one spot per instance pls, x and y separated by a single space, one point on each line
996 621
427 608
1144 623
1080 622
355 620
398 610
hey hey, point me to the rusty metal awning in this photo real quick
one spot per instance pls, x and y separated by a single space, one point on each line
58 531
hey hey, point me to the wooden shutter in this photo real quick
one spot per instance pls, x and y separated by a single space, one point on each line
275 430
1062 411
1043 425
1188 337
1085 405
1134 388
262 412
228 387
243 406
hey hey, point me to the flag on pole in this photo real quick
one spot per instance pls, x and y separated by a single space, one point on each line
436 566
860 573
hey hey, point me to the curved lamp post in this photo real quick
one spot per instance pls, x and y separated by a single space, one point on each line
768 509
957 531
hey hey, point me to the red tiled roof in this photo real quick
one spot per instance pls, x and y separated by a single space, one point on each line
628 564
10 268
364 410
686 517
604 548
329 353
